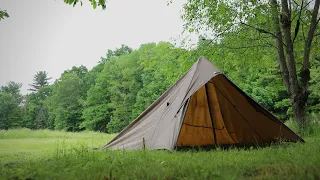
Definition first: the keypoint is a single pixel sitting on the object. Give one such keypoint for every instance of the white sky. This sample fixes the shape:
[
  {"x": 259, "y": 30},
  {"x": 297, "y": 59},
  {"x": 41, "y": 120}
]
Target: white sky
[{"x": 48, "y": 35}]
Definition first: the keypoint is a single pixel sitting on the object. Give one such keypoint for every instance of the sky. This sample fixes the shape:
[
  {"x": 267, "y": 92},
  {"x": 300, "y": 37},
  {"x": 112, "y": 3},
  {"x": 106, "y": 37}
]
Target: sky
[{"x": 49, "y": 35}]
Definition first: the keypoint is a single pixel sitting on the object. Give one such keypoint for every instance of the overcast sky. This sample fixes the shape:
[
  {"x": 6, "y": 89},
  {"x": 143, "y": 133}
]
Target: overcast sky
[{"x": 48, "y": 35}]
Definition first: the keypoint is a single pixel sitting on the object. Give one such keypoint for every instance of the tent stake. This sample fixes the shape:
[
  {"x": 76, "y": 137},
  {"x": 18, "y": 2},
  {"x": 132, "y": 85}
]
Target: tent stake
[
  {"x": 209, "y": 104},
  {"x": 144, "y": 143}
]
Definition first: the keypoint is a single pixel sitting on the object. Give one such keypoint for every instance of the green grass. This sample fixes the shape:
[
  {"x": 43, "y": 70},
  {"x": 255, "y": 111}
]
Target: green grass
[
  {"x": 25, "y": 144},
  {"x": 44, "y": 154}
]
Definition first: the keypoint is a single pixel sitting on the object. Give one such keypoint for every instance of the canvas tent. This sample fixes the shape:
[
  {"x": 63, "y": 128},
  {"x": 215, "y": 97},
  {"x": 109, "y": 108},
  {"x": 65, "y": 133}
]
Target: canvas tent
[{"x": 203, "y": 108}]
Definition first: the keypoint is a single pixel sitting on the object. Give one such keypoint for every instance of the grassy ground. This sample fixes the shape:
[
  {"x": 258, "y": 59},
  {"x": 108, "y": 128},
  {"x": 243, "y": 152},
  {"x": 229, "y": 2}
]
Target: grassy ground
[
  {"x": 44, "y": 154},
  {"x": 22, "y": 144}
]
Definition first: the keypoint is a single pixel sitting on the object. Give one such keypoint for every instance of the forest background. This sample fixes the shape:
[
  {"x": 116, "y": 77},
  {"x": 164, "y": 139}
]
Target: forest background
[{"x": 239, "y": 40}]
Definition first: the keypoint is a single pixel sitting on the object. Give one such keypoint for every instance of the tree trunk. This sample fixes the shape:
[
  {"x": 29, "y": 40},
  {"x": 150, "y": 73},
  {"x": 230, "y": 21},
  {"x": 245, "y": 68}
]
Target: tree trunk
[
  {"x": 279, "y": 44},
  {"x": 305, "y": 72},
  {"x": 286, "y": 26},
  {"x": 301, "y": 100},
  {"x": 299, "y": 113},
  {"x": 298, "y": 92},
  {"x": 295, "y": 91}
]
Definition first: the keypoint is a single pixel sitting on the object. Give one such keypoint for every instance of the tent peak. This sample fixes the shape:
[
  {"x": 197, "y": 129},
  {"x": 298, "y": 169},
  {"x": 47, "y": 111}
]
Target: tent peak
[{"x": 204, "y": 63}]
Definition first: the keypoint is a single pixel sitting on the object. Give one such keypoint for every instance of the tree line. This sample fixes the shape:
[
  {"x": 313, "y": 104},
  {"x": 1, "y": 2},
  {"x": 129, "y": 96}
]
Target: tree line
[
  {"x": 269, "y": 48},
  {"x": 125, "y": 82}
]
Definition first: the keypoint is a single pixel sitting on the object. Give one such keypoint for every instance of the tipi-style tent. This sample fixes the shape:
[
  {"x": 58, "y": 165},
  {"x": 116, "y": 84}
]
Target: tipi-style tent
[{"x": 203, "y": 108}]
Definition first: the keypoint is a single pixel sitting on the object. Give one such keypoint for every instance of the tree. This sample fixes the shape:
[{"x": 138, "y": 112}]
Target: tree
[
  {"x": 13, "y": 89},
  {"x": 125, "y": 82},
  {"x": 124, "y": 49},
  {"x": 80, "y": 71},
  {"x": 7, "y": 104},
  {"x": 287, "y": 22},
  {"x": 39, "y": 80},
  {"x": 65, "y": 101},
  {"x": 98, "y": 107},
  {"x": 96, "y": 113},
  {"x": 36, "y": 111},
  {"x": 10, "y": 110}
]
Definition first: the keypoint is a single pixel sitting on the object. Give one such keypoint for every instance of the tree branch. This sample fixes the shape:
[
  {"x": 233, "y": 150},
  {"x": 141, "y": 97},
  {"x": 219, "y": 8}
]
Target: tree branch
[
  {"x": 261, "y": 31},
  {"x": 304, "y": 7},
  {"x": 279, "y": 43},
  {"x": 295, "y": 2},
  {"x": 317, "y": 23},
  {"x": 305, "y": 73},
  {"x": 296, "y": 30},
  {"x": 220, "y": 34},
  {"x": 247, "y": 47},
  {"x": 285, "y": 20}
]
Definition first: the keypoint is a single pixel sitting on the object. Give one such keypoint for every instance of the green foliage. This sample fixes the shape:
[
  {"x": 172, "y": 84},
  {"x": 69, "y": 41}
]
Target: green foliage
[
  {"x": 64, "y": 103},
  {"x": 13, "y": 89},
  {"x": 80, "y": 71},
  {"x": 37, "y": 115},
  {"x": 36, "y": 112},
  {"x": 125, "y": 82},
  {"x": 3, "y": 14},
  {"x": 94, "y": 3},
  {"x": 40, "y": 80},
  {"x": 314, "y": 98},
  {"x": 98, "y": 107},
  {"x": 96, "y": 112},
  {"x": 124, "y": 49},
  {"x": 11, "y": 113}
]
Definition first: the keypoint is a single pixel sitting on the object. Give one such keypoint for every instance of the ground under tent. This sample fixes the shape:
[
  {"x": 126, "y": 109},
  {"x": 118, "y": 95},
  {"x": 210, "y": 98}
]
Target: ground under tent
[{"x": 203, "y": 108}]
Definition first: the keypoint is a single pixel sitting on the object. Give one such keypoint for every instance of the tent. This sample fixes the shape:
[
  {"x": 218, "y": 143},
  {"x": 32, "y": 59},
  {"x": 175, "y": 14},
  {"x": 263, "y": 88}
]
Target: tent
[{"x": 203, "y": 108}]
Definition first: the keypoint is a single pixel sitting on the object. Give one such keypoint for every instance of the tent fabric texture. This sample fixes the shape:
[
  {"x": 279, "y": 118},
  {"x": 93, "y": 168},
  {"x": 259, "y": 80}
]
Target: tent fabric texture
[{"x": 203, "y": 108}]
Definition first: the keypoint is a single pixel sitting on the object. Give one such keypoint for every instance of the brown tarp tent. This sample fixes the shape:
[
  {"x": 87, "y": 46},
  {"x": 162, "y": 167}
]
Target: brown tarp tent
[{"x": 203, "y": 108}]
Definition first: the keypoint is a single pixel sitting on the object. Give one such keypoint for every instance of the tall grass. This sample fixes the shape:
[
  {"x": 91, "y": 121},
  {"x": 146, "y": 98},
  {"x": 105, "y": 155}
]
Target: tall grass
[
  {"x": 61, "y": 155},
  {"x": 289, "y": 161},
  {"x": 312, "y": 126}
]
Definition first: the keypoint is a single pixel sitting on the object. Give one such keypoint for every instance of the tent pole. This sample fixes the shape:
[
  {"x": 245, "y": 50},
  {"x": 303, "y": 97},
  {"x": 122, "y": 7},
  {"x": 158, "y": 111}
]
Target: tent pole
[{"x": 209, "y": 104}]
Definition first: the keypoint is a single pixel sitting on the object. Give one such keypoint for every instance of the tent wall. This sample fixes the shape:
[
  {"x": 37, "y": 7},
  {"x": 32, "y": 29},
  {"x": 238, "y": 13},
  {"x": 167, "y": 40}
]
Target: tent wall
[
  {"x": 203, "y": 124},
  {"x": 197, "y": 127},
  {"x": 250, "y": 122},
  {"x": 221, "y": 130},
  {"x": 219, "y": 113}
]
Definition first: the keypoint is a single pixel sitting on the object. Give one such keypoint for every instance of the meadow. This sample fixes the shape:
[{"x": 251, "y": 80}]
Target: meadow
[{"x": 45, "y": 154}]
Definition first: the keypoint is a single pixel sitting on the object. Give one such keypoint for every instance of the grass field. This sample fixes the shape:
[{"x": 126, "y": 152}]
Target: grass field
[{"x": 44, "y": 154}]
